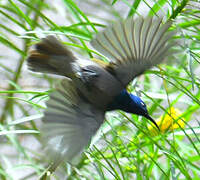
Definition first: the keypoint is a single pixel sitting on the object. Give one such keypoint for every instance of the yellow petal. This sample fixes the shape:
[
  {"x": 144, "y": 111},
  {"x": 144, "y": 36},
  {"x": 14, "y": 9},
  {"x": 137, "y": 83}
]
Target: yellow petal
[{"x": 169, "y": 121}]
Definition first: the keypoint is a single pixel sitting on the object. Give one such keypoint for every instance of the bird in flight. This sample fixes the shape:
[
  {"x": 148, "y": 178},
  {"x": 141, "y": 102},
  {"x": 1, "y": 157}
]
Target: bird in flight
[{"x": 90, "y": 88}]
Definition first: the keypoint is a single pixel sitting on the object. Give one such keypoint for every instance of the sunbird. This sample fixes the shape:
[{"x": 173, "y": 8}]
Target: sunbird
[{"x": 90, "y": 88}]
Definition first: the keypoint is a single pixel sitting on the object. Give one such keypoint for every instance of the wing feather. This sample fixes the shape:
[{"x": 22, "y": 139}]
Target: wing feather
[
  {"x": 145, "y": 32},
  {"x": 127, "y": 36},
  {"x": 137, "y": 35},
  {"x": 110, "y": 36},
  {"x": 133, "y": 46},
  {"x": 68, "y": 124},
  {"x": 117, "y": 31},
  {"x": 106, "y": 48},
  {"x": 153, "y": 29}
]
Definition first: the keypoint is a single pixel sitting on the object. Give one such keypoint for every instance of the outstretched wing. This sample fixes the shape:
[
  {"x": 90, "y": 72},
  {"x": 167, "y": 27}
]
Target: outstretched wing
[
  {"x": 69, "y": 124},
  {"x": 134, "y": 46}
]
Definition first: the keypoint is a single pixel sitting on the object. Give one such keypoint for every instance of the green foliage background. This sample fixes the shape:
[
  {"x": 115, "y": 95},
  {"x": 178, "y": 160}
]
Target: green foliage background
[{"x": 124, "y": 148}]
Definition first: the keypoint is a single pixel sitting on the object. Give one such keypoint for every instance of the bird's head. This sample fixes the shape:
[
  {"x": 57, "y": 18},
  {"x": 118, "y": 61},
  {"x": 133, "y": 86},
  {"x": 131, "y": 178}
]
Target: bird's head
[
  {"x": 137, "y": 106},
  {"x": 131, "y": 104}
]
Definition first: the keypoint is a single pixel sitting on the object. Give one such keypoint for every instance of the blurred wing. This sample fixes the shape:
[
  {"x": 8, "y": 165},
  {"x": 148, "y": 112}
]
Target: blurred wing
[
  {"x": 134, "y": 46},
  {"x": 69, "y": 124}
]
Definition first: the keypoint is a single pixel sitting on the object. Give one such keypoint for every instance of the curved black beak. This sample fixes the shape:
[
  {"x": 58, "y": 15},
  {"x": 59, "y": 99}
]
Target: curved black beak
[{"x": 151, "y": 119}]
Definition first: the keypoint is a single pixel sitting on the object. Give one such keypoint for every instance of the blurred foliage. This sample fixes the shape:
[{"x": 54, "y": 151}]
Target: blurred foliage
[{"x": 124, "y": 148}]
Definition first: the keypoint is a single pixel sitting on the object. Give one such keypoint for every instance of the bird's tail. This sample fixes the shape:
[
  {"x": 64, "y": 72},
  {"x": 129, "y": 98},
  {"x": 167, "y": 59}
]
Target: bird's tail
[{"x": 50, "y": 56}]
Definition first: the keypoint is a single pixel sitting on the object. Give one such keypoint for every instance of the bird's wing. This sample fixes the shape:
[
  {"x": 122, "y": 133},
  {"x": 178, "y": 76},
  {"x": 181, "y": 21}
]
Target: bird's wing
[
  {"x": 133, "y": 46},
  {"x": 68, "y": 124}
]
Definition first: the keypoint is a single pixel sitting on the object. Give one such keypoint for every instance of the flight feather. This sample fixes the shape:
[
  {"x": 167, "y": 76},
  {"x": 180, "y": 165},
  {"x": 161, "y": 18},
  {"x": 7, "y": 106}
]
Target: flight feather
[
  {"x": 134, "y": 45},
  {"x": 69, "y": 123}
]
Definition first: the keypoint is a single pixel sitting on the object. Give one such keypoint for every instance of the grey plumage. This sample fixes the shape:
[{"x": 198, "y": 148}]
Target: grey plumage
[
  {"x": 134, "y": 45},
  {"x": 76, "y": 108},
  {"x": 69, "y": 123}
]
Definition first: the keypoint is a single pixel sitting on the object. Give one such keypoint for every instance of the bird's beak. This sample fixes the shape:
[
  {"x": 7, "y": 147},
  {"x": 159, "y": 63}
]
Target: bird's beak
[{"x": 152, "y": 120}]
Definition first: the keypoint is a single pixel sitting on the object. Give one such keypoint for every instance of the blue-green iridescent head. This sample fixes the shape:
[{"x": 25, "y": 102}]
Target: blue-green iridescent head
[{"x": 130, "y": 103}]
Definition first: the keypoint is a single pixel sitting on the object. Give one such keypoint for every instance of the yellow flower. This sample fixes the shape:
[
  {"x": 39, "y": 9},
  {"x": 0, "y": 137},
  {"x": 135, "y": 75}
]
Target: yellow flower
[{"x": 170, "y": 121}]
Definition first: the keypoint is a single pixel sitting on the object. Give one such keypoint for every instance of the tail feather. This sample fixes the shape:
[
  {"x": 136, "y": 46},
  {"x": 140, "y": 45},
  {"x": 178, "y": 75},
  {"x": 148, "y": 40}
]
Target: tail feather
[{"x": 50, "y": 56}]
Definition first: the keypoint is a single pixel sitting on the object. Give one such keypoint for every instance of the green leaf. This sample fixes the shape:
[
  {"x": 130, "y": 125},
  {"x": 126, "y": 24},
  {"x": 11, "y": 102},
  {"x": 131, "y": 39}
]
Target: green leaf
[
  {"x": 9, "y": 44},
  {"x": 21, "y": 13}
]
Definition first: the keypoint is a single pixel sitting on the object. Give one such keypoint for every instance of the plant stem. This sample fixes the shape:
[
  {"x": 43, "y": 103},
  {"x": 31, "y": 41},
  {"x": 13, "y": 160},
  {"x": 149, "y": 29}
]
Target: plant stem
[{"x": 179, "y": 9}]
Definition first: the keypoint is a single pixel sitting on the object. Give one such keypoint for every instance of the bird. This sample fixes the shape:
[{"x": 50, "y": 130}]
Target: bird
[{"x": 90, "y": 88}]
